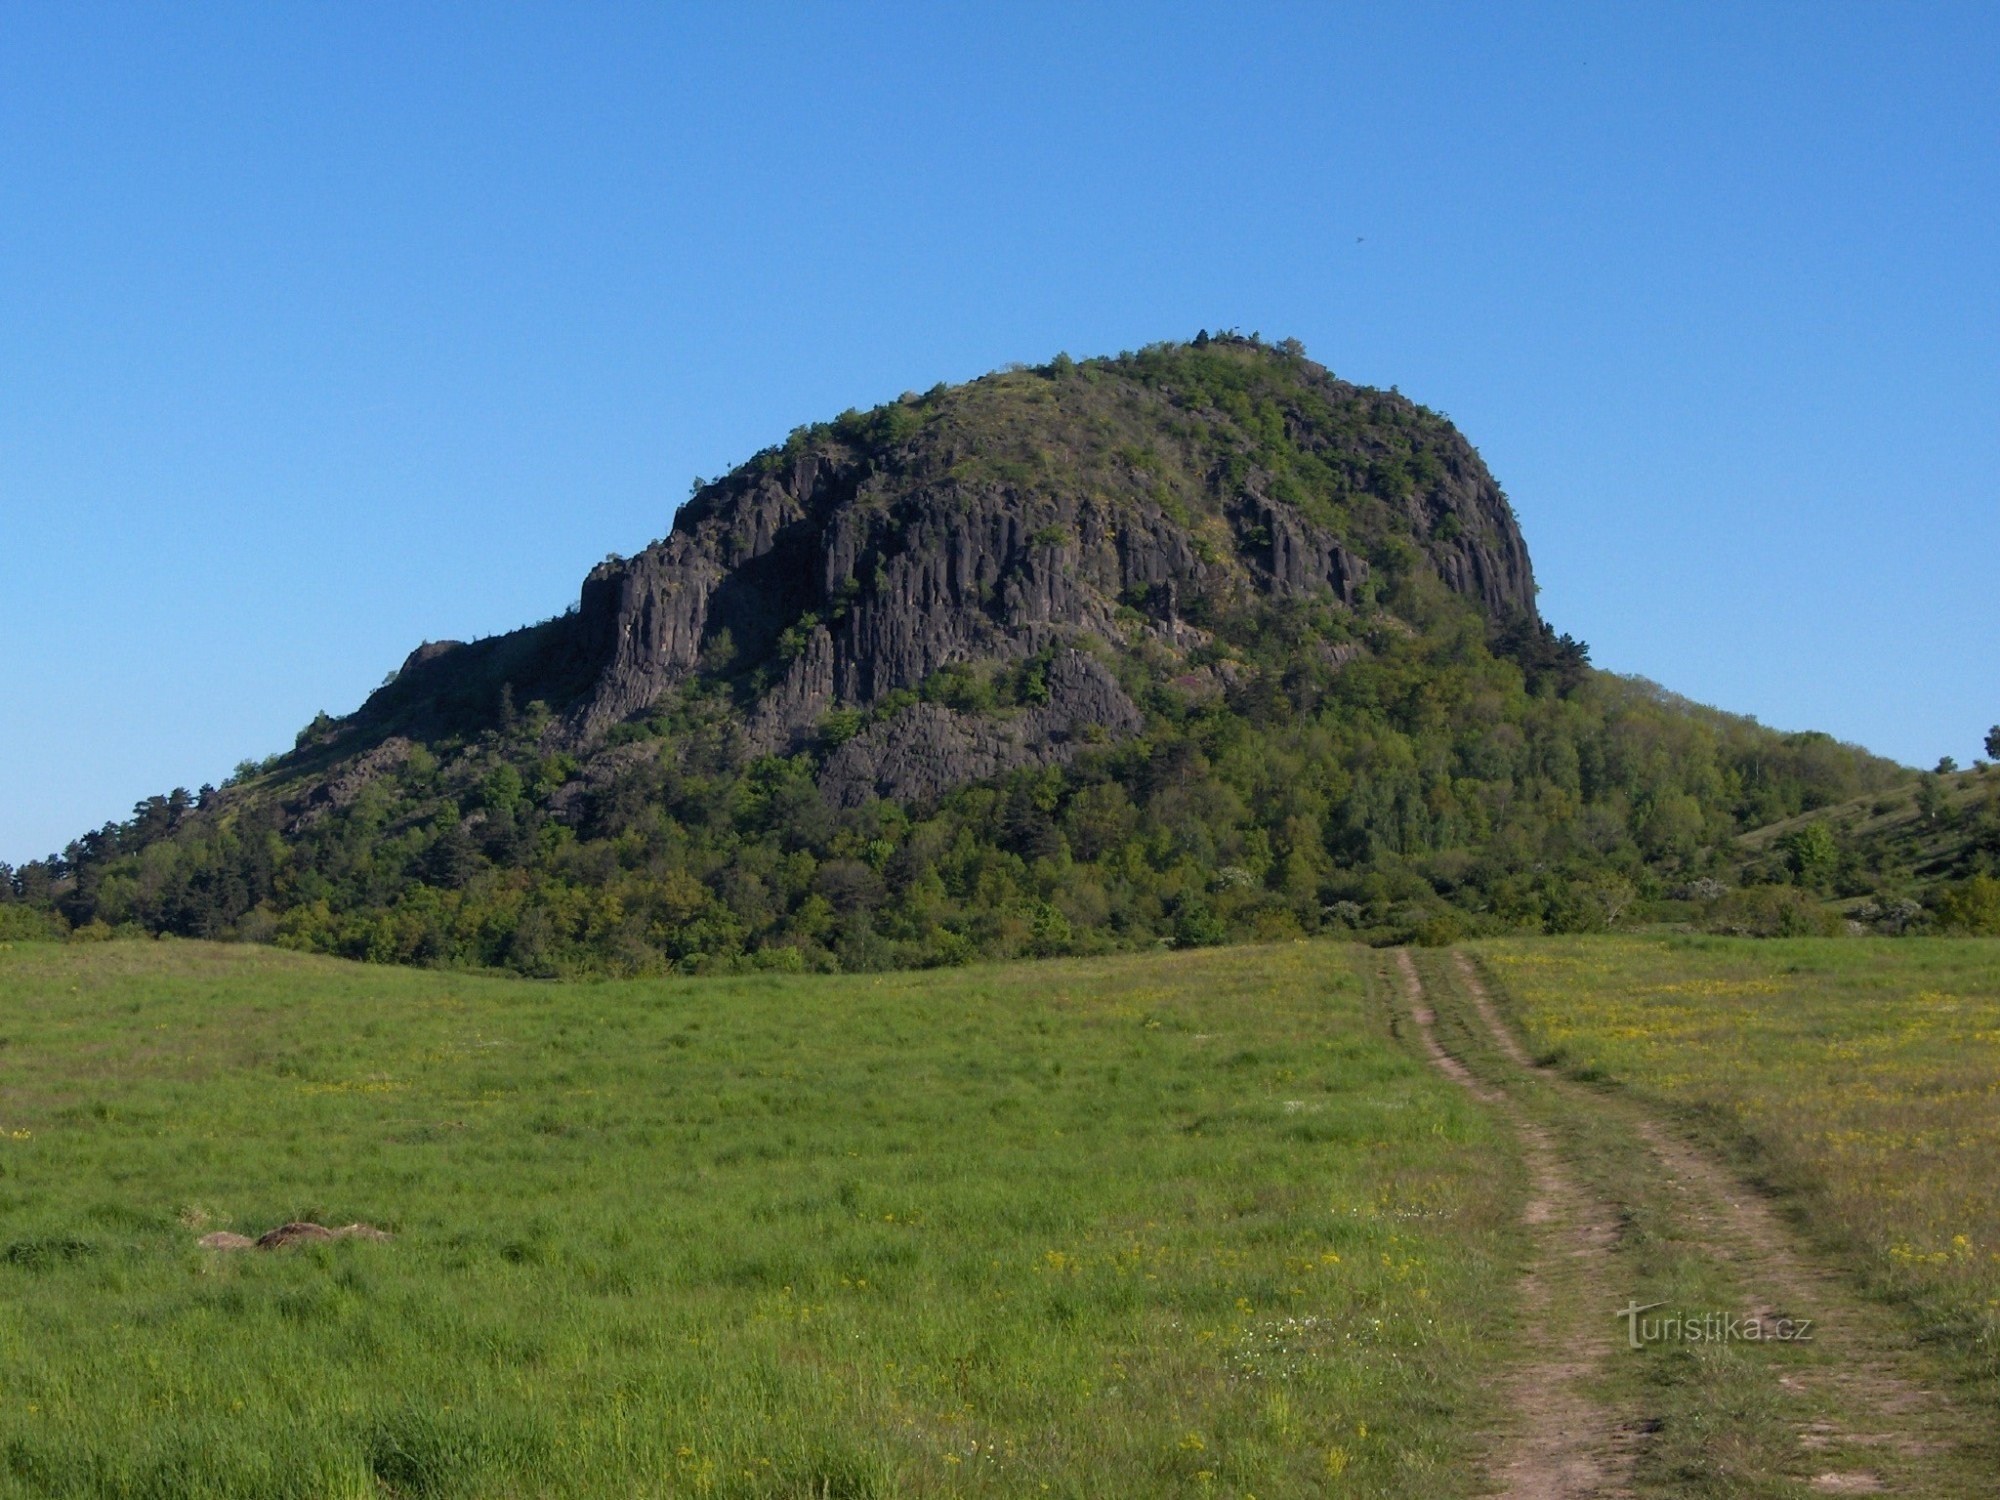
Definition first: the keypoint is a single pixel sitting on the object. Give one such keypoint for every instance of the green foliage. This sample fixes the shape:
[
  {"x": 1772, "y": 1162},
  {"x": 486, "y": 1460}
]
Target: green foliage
[
  {"x": 1932, "y": 802},
  {"x": 967, "y": 687},
  {"x": 1424, "y": 786},
  {"x": 1811, "y": 853},
  {"x": 838, "y": 726},
  {"x": 1770, "y": 911},
  {"x": 795, "y": 638},
  {"x": 1970, "y": 906},
  {"x": 1196, "y": 925},
  {"x": 27, "y": 924},
  {"x": 501, "y": 790}
]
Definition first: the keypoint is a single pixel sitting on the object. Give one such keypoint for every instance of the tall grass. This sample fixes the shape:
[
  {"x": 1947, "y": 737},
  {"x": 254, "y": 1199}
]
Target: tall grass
[
  {"x": 1862, "y": 1077},
  {"x": 1176, "y": 1224}
]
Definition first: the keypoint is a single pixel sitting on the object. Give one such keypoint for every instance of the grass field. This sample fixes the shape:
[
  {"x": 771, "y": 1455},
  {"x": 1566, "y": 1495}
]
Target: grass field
[
  {"x": 1860, "y": 1079},
  {"x": 1179, "y": 1224}
]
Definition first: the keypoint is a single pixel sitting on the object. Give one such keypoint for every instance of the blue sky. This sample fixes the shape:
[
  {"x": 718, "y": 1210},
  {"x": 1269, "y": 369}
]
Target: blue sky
[{"x": 327, "y": 330}]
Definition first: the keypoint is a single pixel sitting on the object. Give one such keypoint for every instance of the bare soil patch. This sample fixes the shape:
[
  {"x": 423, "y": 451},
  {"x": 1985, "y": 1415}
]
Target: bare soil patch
[{"x": 1565, "y": 1442}]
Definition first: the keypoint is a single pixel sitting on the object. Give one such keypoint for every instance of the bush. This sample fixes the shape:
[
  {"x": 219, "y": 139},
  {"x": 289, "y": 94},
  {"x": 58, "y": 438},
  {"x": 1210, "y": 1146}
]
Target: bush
[
  {"x": 1811, "y": 853},
  {"x": 1196, "y": 926},
  {"x": 26, "y": 924},
  {"x": 1440, "y": 930},
  {"x": 1771, "y": 911},
  {"x": 1970, "y": 906}
]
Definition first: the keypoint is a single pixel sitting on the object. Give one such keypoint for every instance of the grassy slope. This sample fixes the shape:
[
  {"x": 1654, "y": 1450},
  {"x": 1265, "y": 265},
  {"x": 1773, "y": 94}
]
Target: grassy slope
[
  {"x": 1886, "y": 830},
  {"x": 1187, "y": 1223},
  {"x": 1861, "y": 1078}
]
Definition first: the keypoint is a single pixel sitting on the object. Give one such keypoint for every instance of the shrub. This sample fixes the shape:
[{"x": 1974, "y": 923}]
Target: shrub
[
  {"x": 1970, "y": 906},
  {"x": 1771, "y": 911},
  {"x": 1439, "y": 930},
  {"x": 26, "y": 924},
  {"x": 1197, "y": 926},
  {"x": 1811, "y": 852}
]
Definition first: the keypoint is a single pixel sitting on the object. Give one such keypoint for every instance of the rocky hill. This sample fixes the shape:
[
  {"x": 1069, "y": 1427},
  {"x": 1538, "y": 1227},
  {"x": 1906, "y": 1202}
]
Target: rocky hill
[
  {"x": 1070, "y": 510},
  {"x": 1186, "y": 644}
]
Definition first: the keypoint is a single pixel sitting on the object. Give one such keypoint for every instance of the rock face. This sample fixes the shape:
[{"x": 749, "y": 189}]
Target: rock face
[
  {"x": 928, "y": 749},
  {"x": 346, "y": 784},
  {"x": 1108, "y": 507}
]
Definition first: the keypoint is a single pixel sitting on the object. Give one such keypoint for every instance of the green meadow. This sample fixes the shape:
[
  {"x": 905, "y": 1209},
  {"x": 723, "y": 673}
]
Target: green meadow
[
  {"x": 1185, "y": 1223},
  {"x": 1859, "y": 1080}
]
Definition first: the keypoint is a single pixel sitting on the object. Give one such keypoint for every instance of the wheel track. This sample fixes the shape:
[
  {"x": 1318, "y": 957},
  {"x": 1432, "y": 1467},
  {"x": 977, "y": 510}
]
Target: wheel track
[
  {"x": 1563, "y": 1443},
  {"x": 1745, "y": 1231}
]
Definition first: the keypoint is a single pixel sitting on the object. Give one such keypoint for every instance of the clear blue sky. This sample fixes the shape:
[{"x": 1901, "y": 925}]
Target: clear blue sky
[{"x": 328, "y": 329}]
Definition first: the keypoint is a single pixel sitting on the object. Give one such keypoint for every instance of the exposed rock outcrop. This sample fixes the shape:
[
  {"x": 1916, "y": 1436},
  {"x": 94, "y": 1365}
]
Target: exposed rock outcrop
[
  {"x": 346, "y": 784},
  {"x": 928, "y": 749},
  {"x": 1116, "y": 502}
]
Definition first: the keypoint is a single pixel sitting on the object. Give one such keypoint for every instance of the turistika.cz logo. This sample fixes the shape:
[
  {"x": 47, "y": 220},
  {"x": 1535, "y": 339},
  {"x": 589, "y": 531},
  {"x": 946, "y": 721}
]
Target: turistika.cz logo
[{"x": 1709, "y": 1327}]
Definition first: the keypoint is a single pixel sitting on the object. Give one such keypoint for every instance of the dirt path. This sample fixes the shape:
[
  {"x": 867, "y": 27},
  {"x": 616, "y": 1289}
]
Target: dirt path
[
  {"x": 1864, "y": 1406},
  {"x": 1565, "y": 1442}
]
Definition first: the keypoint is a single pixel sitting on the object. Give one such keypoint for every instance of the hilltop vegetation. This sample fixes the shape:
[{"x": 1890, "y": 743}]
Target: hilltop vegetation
[
  {"x": 1422, "y": 789},
  {"x": 1190, "y": 645}
]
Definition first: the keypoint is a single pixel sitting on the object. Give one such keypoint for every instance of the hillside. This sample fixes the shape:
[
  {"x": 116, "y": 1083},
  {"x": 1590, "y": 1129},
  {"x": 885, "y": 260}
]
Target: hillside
[
  {"x": 1190, "y": 644},
  {"x": 1877, "y": 853}
]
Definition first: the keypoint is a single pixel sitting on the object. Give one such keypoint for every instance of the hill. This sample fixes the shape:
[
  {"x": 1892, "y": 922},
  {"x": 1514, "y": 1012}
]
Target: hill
[
  {"x": 1034, "y": 516},
  {"x": 1195, "y": 643},
  {"x": 1878, "y": 853}
]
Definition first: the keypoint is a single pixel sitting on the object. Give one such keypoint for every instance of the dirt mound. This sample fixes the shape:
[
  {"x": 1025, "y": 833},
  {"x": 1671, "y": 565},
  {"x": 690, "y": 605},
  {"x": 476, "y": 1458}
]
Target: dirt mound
[
  {"x": 292, "y": 1234},
  {"x": 298, "y": 1232}
]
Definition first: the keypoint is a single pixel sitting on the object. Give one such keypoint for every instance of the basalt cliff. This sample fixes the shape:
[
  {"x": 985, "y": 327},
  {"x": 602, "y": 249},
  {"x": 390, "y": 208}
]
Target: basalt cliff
[{"x": 1071, "y": 513}]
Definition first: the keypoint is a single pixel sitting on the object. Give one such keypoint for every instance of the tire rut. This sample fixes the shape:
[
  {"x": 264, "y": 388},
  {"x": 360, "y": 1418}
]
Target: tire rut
[
  {"x": 1744, "y": 1230},
  {"x": 1564, "y": 1444}
]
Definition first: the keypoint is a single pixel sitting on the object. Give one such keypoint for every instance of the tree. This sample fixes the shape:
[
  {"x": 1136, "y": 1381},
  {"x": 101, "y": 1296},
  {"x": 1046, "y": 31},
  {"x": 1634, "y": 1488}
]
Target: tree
[
  {"x": 452, "y": 859},
  {"x": 1993, "y": 743},
  {"x": 36, "y": 881},
  {"x": 1930, "y": 798},
  {"x": 1811, "y": 853},
  {"x": 1970, "y": 906},
  {"x": 501, "y": 790}
]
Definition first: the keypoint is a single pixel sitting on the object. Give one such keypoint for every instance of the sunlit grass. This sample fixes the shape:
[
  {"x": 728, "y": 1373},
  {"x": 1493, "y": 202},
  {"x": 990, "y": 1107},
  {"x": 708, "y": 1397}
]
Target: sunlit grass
[
  {"x": 1186, "y": 1223},
  {"x": 1861, "y": 1076}
]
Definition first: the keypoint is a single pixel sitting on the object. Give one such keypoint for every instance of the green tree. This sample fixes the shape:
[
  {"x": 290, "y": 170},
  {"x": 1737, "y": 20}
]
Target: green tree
[
  {"x": 1811, "y": 853},
  {"x": 1971, "y": 906},
  {"x": 1930, "y": 798},
  {"x": 1993, "y": 743},
  {"x": 501, "y": 790}
]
